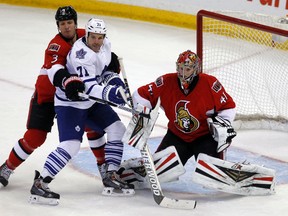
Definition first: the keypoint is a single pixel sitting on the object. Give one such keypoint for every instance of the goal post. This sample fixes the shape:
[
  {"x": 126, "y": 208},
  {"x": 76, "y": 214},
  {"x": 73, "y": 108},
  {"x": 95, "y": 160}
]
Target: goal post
[{"x": 248, "y": 53}]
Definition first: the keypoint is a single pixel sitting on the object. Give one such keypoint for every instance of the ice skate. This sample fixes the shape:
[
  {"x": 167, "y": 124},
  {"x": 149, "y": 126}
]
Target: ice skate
[
  {"x": 40, "y": 192},
  {"x": 114, "y": 186},
  {"x": 102, "y": 170},
  {"x": 5, "y": 173}
]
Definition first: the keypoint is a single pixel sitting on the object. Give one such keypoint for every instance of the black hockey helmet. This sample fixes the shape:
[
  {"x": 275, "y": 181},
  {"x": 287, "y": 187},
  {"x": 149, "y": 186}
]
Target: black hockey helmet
[{"x": 65, "y": 13}]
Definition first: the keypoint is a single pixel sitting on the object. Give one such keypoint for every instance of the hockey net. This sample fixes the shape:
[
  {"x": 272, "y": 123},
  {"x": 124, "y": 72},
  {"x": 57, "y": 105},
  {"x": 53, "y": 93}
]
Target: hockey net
[{"x": 248, "y": 53}]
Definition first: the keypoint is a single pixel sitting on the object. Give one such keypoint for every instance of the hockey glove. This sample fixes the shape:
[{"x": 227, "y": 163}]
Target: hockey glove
[
  {"x": 222, "y": 132},
  {"x": 111, "y": 78},
  {"x": 72, "y": 86},
  {"x": 113, "y": 94},
  {"x": 60, "y": 76},
  {"x": 114, "y": 64}
]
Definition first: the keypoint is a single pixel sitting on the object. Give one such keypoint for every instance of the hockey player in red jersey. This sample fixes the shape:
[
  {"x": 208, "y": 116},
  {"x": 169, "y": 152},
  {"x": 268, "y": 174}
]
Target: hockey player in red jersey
[
  {"x": 198, "y": 108},
  {"x": 199, "y": 112},
  {"x": 189, "y": 98},
  {"x": 41, "y": 113}
]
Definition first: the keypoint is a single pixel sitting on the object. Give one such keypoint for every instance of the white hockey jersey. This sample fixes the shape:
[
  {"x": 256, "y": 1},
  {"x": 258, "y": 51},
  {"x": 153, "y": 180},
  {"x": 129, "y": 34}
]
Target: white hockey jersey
[{"x": 89, "y": 66}]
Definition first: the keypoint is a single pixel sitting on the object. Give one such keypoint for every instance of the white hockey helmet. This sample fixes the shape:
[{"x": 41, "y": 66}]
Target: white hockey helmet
[{"x": 95, "y": 26}]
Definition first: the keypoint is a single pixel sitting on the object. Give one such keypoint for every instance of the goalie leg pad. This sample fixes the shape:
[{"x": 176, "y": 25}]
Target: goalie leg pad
[
  {"x": 167, "y": 164},
  {"x": 236, "y": 178},
  {"x": 133, "y": 172}
]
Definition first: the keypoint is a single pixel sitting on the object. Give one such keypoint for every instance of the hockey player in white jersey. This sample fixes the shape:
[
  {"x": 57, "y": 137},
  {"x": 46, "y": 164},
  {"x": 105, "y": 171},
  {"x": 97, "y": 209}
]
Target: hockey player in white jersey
[{"x": 87, "y": 63}]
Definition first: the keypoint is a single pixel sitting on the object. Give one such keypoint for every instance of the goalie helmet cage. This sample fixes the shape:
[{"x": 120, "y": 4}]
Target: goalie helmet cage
[{"x": 248, "y": 53}]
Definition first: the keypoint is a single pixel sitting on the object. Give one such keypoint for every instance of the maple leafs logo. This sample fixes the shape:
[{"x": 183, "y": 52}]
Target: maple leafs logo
[{"x": 81, "y": 54}]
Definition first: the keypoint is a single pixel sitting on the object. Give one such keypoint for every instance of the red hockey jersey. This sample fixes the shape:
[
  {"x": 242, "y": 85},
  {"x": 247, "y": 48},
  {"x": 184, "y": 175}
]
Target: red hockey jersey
[
  {"x": 187, "y": 114},
  {"x": 56, "y": 53}
]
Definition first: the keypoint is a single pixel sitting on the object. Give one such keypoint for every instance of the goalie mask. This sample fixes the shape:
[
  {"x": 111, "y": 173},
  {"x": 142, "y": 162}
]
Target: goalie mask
[{"x": 188, "y": 66}]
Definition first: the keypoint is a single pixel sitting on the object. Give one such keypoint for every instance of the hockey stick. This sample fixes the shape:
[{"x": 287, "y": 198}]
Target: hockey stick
[
  {"x": 126, "y": 81},
  {"x": 99, "y": 100},
  {"x": 158, "y": 195}
]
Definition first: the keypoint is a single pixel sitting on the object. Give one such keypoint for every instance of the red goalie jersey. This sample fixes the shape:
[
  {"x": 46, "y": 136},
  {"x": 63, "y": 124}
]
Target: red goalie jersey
[
  {"x": 187, "y": 113},
  {"x": 55, "y": 59}
]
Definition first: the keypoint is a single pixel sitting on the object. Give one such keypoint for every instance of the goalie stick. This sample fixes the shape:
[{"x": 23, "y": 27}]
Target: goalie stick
[
  {"x": 155, "y": 186},
  {"x": 158, "y": 195}
]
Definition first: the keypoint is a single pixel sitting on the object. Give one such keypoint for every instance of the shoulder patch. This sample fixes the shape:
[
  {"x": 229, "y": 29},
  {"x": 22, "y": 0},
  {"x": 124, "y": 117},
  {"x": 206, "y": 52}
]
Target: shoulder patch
[
  {"x": 159, "y": 81},
  {"x": 54, "y": 47},
  {"x": 216, "y": 86}
]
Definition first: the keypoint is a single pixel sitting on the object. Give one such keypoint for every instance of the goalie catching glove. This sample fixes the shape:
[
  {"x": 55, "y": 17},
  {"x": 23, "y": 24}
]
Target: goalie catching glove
[{"x": 222, "y": 132}]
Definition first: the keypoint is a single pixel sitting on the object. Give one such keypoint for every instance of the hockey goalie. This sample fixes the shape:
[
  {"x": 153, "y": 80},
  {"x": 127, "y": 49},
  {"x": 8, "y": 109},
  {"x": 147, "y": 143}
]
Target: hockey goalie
[
  {"x": 199, "y": 112},
  {"x": 210, "y": 172}
]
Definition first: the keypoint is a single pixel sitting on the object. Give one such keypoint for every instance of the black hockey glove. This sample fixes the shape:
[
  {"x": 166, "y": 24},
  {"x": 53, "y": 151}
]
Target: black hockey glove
[
  {"x": 72, "y": 86},
  {"x": 60, "y": 76},
  {"x": 114, "y": 64}
]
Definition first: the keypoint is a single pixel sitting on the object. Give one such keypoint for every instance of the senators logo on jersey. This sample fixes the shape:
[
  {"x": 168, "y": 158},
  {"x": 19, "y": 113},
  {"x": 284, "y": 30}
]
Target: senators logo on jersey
[{"x": 185, "y": 122}]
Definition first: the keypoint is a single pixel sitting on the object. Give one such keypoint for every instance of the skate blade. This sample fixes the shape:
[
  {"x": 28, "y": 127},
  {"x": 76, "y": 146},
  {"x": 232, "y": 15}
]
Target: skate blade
[
  {"x": 110, "y": 191},
  {"x": 34, "y": 199},
  {"x": 3, "y": 182}
]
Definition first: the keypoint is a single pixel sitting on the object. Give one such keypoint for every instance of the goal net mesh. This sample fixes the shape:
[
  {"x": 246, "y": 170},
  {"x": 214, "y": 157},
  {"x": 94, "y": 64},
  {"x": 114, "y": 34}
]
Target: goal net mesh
[{"x": 250, "y": 59}]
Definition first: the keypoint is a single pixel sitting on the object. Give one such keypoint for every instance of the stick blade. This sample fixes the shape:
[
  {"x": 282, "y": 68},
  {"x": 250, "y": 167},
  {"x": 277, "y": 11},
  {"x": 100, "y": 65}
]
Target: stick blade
[{"x": 177, "y": 204}]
